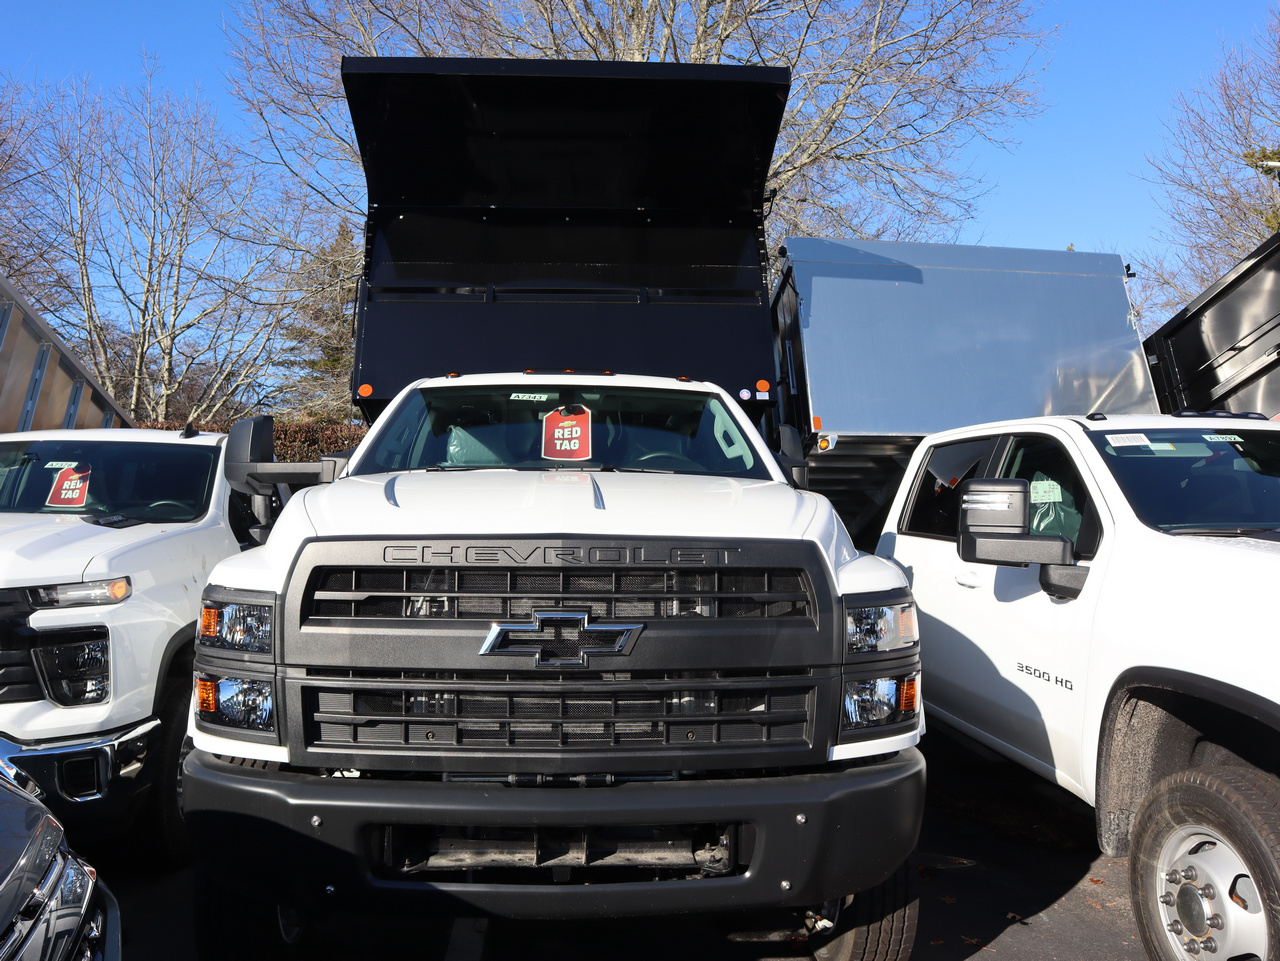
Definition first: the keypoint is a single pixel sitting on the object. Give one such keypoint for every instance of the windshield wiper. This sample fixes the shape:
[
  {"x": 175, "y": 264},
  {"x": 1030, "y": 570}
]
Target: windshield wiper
[{"x": 1225, "y": 531}]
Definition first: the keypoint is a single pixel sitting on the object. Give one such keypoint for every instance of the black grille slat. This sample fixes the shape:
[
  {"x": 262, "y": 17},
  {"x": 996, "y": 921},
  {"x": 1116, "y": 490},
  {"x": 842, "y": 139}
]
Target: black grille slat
[
  {"x": 627, "y": 593},
  {"x": 19, "y": 681},
  {"x": 613, "y": 715}
]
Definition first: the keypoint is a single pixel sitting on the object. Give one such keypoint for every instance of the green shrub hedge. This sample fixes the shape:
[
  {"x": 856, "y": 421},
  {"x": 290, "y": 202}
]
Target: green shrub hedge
[{"x": 296, "y": 441}]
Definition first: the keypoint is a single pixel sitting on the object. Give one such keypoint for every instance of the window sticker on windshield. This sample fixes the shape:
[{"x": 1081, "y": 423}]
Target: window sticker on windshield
[
  {"x": 59, "y": 464},
  {"x": 1128, "y": 440},
  {"x": 1161, "y": 446},
  {"x": 1222, "y": 438},
  {"x": 566, "y": 433},
  {"x": 1046, "y": 492},
  {"x": 70, "y": 487},
  {"x": 539, "y": 398}
]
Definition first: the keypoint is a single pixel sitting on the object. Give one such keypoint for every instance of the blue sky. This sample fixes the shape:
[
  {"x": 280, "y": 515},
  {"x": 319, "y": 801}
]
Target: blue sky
[{"x": 1076, "y": 177}]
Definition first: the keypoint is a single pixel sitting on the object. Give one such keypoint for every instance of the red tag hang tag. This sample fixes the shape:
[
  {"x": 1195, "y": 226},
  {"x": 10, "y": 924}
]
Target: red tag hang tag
[
  {"x": 70, "y": 487},
  {"x": 566, "y": 433}
]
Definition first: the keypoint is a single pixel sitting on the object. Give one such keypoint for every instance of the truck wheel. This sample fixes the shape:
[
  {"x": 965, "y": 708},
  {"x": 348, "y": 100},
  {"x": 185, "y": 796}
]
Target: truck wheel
[
  {"x": 876, "y": 925},
  {"x": 1204, "y": 865},
  {"x": 238, "y": 924},
  {"x": 165, "y": 809}
]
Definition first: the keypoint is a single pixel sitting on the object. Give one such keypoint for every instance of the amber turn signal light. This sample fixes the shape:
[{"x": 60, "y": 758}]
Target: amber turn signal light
[
  {"x": 208, "y": 622},
  {"x": 206, "y": 698},
  {"x": 907, "y": 695}
]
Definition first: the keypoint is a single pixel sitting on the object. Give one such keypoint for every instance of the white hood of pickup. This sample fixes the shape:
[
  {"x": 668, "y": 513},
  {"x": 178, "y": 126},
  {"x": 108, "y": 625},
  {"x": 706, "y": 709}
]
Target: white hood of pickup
[
  {"x": 56, "y": 548},
  {"x": 483, "y": 502}
]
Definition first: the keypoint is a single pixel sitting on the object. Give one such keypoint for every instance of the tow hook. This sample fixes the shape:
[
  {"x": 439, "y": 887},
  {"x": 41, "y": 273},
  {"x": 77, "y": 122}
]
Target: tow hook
[{"x": 820, "y": 918}]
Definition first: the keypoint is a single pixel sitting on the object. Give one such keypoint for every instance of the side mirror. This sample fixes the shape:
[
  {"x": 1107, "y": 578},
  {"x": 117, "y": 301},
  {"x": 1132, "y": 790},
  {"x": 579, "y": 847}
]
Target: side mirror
[
  {"x": 332, "y": 465},
  {"x": 791, "y": 456},
  {"x": 250, "y": 442},
  {"x": 995, "y": 526},
  {"x": 251, "y": 468}
]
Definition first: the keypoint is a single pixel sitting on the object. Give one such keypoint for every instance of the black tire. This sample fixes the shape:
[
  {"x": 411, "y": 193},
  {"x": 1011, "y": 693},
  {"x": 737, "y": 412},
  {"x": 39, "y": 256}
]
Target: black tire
[
  {"x": 162, "y": 816},
  {"x": 876, "y": 925},
  {"x": 232, "y": 922},
  {"x": 1218, "y": 831}
]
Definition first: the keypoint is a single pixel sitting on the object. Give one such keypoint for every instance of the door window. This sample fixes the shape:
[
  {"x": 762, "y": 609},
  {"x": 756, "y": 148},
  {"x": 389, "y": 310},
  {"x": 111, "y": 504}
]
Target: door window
[
  {"x": 935, "y": 505},
  {"x": 1060, "y": 503}
]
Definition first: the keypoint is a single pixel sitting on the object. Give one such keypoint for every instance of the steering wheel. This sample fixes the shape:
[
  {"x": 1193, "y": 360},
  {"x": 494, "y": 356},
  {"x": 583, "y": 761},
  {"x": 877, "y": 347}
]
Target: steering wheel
[{"x": 672, "y": 461}]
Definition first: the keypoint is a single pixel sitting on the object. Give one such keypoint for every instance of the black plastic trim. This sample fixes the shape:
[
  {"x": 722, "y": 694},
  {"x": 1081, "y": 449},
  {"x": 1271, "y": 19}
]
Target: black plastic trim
[{"x": 1261, "y": 709}]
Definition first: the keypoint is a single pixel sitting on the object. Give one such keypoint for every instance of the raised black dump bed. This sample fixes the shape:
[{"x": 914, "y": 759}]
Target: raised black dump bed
[{"x": 545, "y": 215}]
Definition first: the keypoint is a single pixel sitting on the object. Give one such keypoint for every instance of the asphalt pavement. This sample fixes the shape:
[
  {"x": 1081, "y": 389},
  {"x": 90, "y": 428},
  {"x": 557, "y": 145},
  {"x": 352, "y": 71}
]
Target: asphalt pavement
[{"x": 1007, "y": 863}]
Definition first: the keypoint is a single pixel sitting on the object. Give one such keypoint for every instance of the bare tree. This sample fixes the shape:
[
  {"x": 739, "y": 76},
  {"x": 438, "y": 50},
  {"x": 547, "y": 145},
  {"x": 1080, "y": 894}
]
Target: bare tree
[
  {"x": 885, "y": 93},
  {"x": 1221, "y": 196},
  {"x": 26, "y": 258},
  {"x": 177, "y": 256}
]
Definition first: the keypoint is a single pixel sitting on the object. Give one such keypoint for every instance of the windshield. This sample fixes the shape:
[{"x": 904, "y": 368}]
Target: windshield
[
  {"x": 139, "y": 481},
  {"x": 548, "y": 427},
  {"x": 1197, "y": 480}
]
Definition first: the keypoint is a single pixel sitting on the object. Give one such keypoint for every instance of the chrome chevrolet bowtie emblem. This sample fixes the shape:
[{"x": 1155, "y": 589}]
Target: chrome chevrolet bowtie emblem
[{"x": 561, "y": 638}]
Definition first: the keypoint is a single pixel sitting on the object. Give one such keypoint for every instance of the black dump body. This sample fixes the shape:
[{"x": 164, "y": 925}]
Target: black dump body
[
  {"x": 1222, "y": 351},
  {"x": 544, "y": 215}
]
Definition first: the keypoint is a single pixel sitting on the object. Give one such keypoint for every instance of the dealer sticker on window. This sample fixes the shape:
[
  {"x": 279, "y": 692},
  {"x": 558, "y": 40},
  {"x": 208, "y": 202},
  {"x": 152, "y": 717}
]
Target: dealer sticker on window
[
  {"x": 70, "y": 487},
  {"x": 1046, "y": 492},
  {"x": 566, "y": 434},
  {"x": 1222, "y": 438},
  {"x": 1128, "y": 440}
]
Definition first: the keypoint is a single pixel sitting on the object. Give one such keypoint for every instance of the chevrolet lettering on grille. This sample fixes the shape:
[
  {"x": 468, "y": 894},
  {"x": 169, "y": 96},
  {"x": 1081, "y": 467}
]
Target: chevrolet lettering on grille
[{"x": 561, "y": 638}]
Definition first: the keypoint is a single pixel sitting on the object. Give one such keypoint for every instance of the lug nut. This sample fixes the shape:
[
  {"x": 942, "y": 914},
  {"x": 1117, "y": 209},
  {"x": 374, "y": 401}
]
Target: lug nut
[
  {"x": 1173, "y": 877},
  {"x": 1188, "y": 874},
  {"x": 1209, "y": 891},
  {"x": 1192, "y": 947},
  {"x": 1174, "y": 927},
  {"x": 1166, "y": 898},
  {"x": 1209, "y": 944},
  {"x": 1215, "y": 921}
]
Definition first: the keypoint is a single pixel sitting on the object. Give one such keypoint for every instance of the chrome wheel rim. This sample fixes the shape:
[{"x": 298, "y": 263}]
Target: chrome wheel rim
[{"x": 1205, "y": 896}]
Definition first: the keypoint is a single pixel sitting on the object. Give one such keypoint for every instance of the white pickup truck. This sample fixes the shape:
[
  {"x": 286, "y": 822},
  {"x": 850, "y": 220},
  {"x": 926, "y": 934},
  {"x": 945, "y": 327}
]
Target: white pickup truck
[
  {"x": 1090, "y": 593},
  {"x": 106, "y": 538}
]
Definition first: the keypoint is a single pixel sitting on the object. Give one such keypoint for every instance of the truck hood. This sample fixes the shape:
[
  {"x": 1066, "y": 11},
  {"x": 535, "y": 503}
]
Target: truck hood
[
  {"x": 50, "y": 549},
  {"x": 481, "y": 502}
]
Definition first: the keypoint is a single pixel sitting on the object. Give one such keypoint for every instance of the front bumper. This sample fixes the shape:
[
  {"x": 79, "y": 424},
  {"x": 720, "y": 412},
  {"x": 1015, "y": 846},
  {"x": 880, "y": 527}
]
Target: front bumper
[
  {"x": 814, "y": 836},
  {"x": 100, "y": 776}
]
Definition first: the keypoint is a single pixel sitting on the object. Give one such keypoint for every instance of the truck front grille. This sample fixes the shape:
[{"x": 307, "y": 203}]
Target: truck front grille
[
  {"x": 439, "y": 717},
  {"x": 461, "y": 593},
  {"x": 18, "y": 678}
]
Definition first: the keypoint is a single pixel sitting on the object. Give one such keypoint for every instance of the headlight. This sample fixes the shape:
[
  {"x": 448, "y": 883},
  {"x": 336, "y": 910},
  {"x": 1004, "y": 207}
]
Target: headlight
[
  {"x": 77, "y": 670},
  {"x": 880, "y": 627},
  {"x": 880, "y": 700},
  {"x": 237, "y": 627},
  {"x": 76, "y": 884},
  {"x": 79, "y": 595},
  {"x": 236, "y": 702}
]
